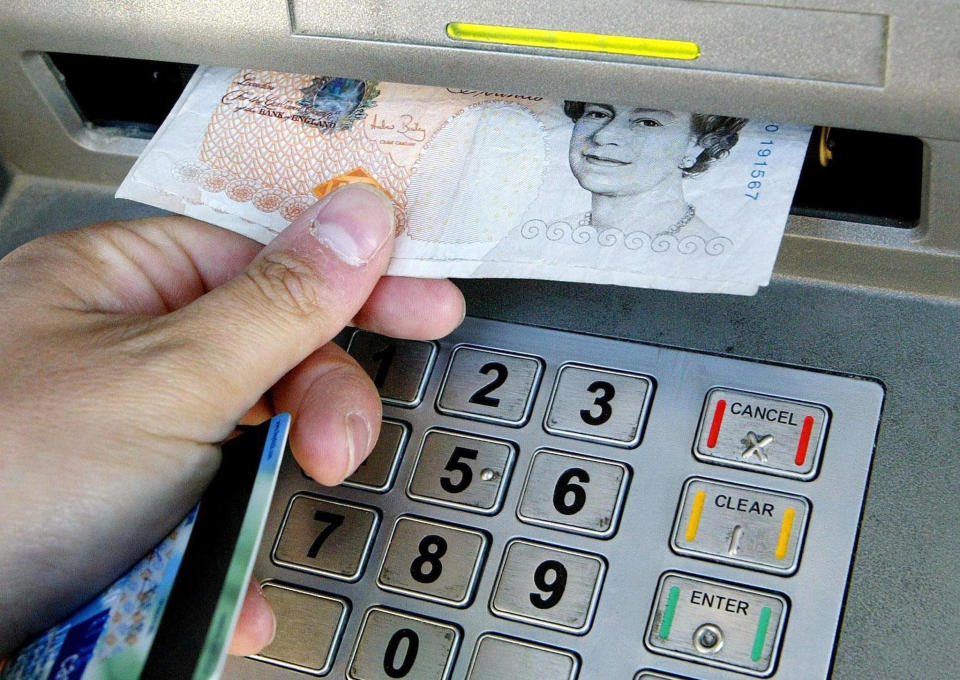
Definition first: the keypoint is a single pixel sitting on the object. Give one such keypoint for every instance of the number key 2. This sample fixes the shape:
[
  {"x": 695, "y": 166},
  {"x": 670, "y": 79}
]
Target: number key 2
[{"x": 493, "y": 386}]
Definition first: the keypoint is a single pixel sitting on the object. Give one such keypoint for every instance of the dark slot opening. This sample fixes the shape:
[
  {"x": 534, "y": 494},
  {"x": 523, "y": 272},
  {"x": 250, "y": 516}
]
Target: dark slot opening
[
  {"x": 133, "y": 95},
  {"x": 873, "y": 178}
]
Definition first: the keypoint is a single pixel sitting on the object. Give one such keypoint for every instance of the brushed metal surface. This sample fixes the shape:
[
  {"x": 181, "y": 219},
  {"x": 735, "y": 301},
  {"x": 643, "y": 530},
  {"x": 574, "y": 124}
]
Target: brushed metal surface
[
  {"x": 733, "y": 616},
  {"x": 741, "y": 525},
  {"x": 573, "y": 493},
  {"x": 309, "y": 626},
  {"x": 515, "y": 591},
  {"x": 448, "y": 560},
  {"x": 487, "y": 385},
  {"x": 496, "y": 657},
  {"x": 462, "y": 471},
  {"x": 430, "y": 657}
]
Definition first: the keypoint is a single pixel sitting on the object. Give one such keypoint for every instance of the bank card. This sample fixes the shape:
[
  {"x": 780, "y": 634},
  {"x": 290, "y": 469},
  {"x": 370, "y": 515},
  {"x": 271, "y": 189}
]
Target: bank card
[{"x": 173, "y": 614}]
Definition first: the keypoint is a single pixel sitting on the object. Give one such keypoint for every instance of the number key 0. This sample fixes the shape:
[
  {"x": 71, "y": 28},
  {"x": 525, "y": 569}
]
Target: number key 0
[
  {"x": 574, "y": 493},
  {"x": 394, "y": 645}
]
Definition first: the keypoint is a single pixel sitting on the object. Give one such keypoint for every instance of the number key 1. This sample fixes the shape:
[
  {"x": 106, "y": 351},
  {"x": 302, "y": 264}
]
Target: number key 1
[
  {"x": 598, "y": 405},
  {"x": 398, "y": 368}
]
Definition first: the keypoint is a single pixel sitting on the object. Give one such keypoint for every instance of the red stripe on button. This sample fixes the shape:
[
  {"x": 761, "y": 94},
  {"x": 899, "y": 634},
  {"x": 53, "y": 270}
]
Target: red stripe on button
[
  {"x": 804, "y": 440},
  {"x": 715, "y": 425}
]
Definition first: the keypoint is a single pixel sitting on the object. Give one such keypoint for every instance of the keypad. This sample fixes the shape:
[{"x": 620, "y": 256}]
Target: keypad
[
  {"x": 396, "y": 645},
  {"x": 599, "y": 405},
  {"x": 548, "y": 586},
  {"x": 462, "y": 471},
  {"x": 325, "y": 537},
  {"x": 309, "y": 626},
  {"x": 398, "y": 368},
  {"x": 542, "y": 505},
  {"x": 573, "y": 493},
  {"x": 434, "y": 561},
  {"x": 376, "y": 473},
  {"x": 493, "y": 386},
  {"x": 497, "y": 657}
]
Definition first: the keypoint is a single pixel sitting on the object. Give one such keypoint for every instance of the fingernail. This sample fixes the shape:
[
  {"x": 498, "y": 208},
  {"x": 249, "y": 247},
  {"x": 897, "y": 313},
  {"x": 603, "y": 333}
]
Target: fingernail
[
  {"x": 355, "y": 221},
  {"x": 358, "y": 441},
  {"x": 266, "y": 603}
]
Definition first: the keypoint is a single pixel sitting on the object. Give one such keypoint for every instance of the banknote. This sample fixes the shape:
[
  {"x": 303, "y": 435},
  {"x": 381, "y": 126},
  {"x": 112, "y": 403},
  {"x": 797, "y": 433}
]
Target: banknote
[{"x": 486, "y": 184}]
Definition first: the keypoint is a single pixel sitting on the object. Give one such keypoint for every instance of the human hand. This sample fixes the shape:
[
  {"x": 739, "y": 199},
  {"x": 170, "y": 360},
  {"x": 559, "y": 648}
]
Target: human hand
[{"x": 130, "y": 350}]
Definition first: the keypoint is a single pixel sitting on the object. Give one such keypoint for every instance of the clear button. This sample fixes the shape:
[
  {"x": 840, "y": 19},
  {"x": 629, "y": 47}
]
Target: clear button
[{"x": 741, "y": 525}]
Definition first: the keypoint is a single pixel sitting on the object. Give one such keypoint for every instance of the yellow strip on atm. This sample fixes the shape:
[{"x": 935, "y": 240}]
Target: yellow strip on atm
[{"x": 574, "y": 41}]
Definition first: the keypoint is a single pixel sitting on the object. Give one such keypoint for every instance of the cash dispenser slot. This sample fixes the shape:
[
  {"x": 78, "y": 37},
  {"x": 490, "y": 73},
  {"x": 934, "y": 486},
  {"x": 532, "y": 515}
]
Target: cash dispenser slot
[{"x": 848, "y": 175}]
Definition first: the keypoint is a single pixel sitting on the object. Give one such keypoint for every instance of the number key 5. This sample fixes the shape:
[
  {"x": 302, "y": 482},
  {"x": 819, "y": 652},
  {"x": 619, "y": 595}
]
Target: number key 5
[{"x": 462, "y": 471}]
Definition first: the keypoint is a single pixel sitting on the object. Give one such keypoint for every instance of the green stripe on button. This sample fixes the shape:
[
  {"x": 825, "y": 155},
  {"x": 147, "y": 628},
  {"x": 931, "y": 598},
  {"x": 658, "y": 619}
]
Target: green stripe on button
[
  {"x": 761, "y": 636},
  {"x": 668, "y": 612}
]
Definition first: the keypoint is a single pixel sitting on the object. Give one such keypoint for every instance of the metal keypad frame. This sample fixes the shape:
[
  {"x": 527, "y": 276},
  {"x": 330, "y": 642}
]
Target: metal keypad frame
[{"x": 639, "y": 553}]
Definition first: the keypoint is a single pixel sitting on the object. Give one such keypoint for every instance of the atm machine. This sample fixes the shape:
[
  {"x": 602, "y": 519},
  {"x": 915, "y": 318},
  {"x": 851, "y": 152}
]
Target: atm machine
[{"x": 594, "y": 481}]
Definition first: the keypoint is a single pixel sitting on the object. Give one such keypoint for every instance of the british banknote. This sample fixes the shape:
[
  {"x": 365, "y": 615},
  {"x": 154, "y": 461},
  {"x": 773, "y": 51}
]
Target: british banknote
[{"x": 487, "y": 184}]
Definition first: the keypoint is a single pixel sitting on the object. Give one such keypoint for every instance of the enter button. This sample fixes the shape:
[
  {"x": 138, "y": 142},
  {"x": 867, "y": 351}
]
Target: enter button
[{"x": 741, "y": 525}]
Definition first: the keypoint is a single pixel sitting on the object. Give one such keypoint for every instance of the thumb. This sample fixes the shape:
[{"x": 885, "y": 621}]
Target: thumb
[{"x": 298, "y": 293}]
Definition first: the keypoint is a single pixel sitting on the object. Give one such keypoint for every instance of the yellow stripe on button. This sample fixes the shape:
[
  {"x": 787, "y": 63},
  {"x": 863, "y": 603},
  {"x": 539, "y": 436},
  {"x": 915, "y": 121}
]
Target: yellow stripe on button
[
  {"x": 785, "y": 528},
  {"x": 694, "y": 522}
]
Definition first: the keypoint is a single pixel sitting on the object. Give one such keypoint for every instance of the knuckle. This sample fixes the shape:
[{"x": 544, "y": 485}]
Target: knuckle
[{"x": 290, "y": 283}]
